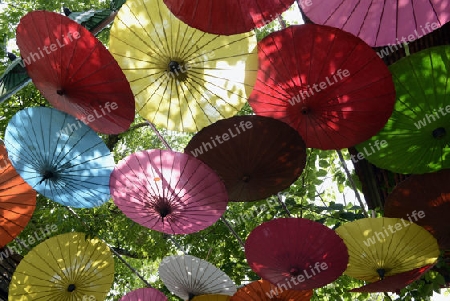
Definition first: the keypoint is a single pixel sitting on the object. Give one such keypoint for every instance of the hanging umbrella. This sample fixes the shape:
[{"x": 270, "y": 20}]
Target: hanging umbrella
[
  {"x": 381, "y": 247},
  {"x": 327, "y": 84},
  {"x": 187, "y": 276},
  {"x": 144, "y": 294},
  {"x": 66, "y": 267},
  {"x": 90, "y": 19},
  {"x": 394, "y": 283},
  {"x": 211, "y": 298},
  {"x": 418, "y": 132},
  {"x": 263, "y": 290},
  {"x": 13, "y": 79},
  {"x": 75, "y": 72},
  {"x": 60, "y": 157},
  {"x": 425, "y": 199},
  {"x": 167, "y": 191},
  {"x": 17, "y": 200},
  {"x": 255, "y": 156},
  {"x": 380, "y": 22},
  {"x": 183, "y": 79},
  {"x": 227, "y": 17},
  {"x": 296, "y": 253}
]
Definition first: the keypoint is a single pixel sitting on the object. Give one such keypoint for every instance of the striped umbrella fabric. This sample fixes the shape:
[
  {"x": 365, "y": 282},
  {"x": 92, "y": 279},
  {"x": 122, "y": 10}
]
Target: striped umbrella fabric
[
  {"x": 168, "y": 191},
  {"x": 60, "y": 157},
  {"x": 187, "y": 276},
  {"x": 65, "y": 267}
]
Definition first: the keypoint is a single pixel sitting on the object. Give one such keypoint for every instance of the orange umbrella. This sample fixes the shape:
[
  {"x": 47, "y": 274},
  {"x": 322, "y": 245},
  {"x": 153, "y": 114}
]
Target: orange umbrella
[
  {"x": 263, "y": 290},
  {"x": 17, "y": 200}
]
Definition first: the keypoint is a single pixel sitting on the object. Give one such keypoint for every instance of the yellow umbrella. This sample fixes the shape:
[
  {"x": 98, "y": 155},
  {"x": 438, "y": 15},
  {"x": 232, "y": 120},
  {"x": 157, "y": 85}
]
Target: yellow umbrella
[
  {"x": 67, "y": 267},
  {"x": 211, "y": 298},
  {"x": 183, "y": 79},
  {"x": 380, "y": 247}
]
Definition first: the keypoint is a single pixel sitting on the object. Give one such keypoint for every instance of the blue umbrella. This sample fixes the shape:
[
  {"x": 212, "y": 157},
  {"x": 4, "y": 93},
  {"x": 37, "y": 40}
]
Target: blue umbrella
[{"x": 60, "y": 157}]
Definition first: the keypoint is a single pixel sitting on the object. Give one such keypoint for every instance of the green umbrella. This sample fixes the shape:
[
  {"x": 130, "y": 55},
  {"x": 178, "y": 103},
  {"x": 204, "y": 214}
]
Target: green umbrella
[
  {"x": 13, "y": 79},
  {"x": 416, "y": 139},
  {"x": 90, "y": 19}
]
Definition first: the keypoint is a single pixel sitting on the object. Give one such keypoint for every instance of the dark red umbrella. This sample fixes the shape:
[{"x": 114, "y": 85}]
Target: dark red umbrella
[
  {"x": 296, "y": 253},
  {"x": 394, "y": 283},
  {"x": 75, "y": 72},
  {"x": 255, "y": 156},
  {"x": 167, "y": 191},
  {"x": 425, "y": 200},
  {"x": 326, "y": 83},
  {"x": 227, "y": 17}
]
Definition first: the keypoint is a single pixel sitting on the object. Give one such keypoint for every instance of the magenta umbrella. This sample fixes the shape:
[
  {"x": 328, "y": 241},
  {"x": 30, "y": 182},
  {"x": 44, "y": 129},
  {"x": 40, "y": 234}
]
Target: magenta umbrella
[
  {"x": 168, "y": 191},
  {"x": 380, "y": 22},
  {"x": 144, "y": 294}
]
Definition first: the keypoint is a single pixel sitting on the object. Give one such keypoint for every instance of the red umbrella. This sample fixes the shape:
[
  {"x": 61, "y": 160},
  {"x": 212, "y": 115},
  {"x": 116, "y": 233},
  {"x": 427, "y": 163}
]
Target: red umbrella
[
  {"x": 255, "y": 156},
  {"x": 425, "y": 200},
  {"x": 168, "y": 191},
  {"x": 227, "y": 17},
  {"x": 326, "y": 83},
  {"x": 380, "y": 22},
  {"x": 394, "y": 283},
  {"x": 144, "y": 294},
  {"x": 75, "y": 72},
  {"x": 296, "y": 253}
]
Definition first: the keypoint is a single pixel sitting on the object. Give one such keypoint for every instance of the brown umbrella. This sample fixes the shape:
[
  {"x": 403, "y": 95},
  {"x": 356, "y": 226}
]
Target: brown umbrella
[
  {"x": 255, "y": 156},
  {"x": 425, "y": 200}
]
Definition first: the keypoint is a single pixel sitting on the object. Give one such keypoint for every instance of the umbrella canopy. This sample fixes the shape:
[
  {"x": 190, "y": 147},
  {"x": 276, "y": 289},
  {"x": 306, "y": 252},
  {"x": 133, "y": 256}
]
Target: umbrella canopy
[
  {"x": 380, "y": 22},
  {"x": 90, "y": 19},
  {"x": 168, "y": 191},
  {"x": 296, "y": 253},
  {"x": 144, "y": 294},
  {"x": 75, "y": 72},
  {"x": 183, "y": 79},
  {"x": 255, "y": 156},
  {"x": 394, "y": 283},
  {"x": 211, "y": 298},
  {"x": 60, "y": 157},
  {"x": 188, "y": 276},
  {"x": 326, "y": 83},
  {"x": 381, "y": 247},
  {"x": 17, "y": 200},
  {"x": 13, "y": 79},
  {"x": 66, "y": 267},
  {"x": 227, "y": 17},
  {"x": 425, "y": 199},
  {"x": 263, "y": 290},
  {"x": 418, "y": 132}
]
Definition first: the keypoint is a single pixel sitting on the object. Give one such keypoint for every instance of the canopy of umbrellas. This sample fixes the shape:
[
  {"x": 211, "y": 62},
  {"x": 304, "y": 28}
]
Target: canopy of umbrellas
[{"x": 310, "y": 86}]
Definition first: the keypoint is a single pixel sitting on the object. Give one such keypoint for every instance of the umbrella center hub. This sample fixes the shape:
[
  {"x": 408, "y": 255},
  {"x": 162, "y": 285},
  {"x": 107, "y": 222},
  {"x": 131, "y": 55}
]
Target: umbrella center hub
[
  {"x": 177, "y": 70},
  {"x": 60, "y": 92},
  {"x": 294, "y": 272},
  {"x": 163, "y": 207},
  {"x": 439, "y": 133},
  {"x": 71, "y": 288},
  {"x": 381, "y": 273},
  {"x": 246, "y": 178},
  {"x": 305, "y": 110}
]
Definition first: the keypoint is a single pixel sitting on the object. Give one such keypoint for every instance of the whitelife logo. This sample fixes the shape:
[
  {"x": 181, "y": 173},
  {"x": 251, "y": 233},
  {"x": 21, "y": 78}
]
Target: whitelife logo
[
  {"x": 308, "y": 92},
  {"x": 35, "y": 56},
  {"x": 71, "y": 127},
  {"x": 429, "y": 118},
  {"x": 206, "y": 146},
  {"x": 365, "y": 153},
  {"x": 301, "y": 277},
  {"x": 404, "y": 41},
  {"x": 380, "y": 236}
]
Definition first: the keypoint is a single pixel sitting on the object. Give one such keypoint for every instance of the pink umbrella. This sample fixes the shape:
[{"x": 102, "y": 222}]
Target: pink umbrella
[
  {"x": 144, "y": 294},
  {"x": 167, "y": 191},
  {"x": 380, "y": 22}
]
